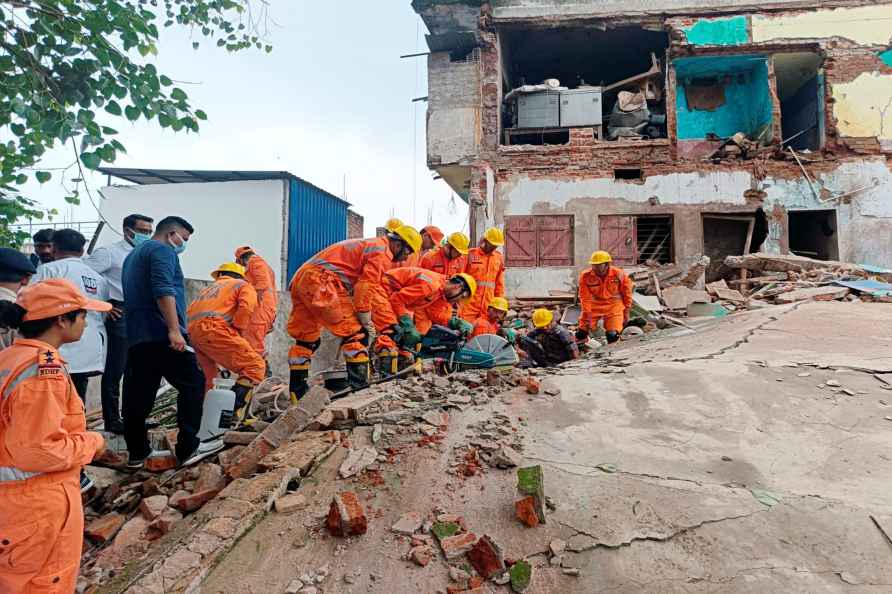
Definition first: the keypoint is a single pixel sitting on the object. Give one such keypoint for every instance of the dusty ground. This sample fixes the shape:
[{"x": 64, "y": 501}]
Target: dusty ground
[{"x": 697, "y": 425}]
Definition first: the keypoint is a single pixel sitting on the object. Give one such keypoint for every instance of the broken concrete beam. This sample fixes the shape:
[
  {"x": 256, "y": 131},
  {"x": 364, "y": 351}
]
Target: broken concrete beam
[
  {"x": 346, "y": 516},
  {"x": 104, "y": 528},
  {"x": 781, "y": 263},
  {"x": 295, "y": 419},
  {"x": 239, "y": 437},
  {"x": 486, "y": 557},
  {"x": 831, "y": 293},
  {"x": 352, "y": 406},
  {"x": 521, "y": 574},
  {"x": 458, "y": 545},
  {"x": 531, "y": 483},
  {"x": 681, "y": 297}
]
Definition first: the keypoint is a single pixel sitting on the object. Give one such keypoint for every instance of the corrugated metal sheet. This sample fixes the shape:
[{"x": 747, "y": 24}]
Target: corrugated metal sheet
[{"x": 317, "y": 220}]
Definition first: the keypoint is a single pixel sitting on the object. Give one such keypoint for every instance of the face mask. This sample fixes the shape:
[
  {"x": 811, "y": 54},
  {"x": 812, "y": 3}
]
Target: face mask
[
  {"x": 179, "y": 249},
  {"x": 139, "y": 238}
]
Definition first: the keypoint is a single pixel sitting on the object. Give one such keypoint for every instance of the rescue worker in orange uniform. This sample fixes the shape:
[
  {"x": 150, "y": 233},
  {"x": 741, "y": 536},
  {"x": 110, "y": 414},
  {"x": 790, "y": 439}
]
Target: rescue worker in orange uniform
[
  {"x": 431, "y": 237},
  {"x": 262, "y": 278},
  {"x": 217, "y": 321},
  {"x": 605, "y": 293},
  {"x": 450, "y": 258},
  {"x": 491, "y": 323},
  {"x": 336, "y": 289},
  {"x": 487, "y": 266},
  {"x": 417, "y": 299},
  {"x": 391, "y": 225},
  {"x": 44, "y": 442}
]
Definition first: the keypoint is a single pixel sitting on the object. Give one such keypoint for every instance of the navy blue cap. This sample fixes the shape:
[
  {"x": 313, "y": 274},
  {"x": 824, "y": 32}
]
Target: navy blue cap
[{"x": 14, "y": 261}]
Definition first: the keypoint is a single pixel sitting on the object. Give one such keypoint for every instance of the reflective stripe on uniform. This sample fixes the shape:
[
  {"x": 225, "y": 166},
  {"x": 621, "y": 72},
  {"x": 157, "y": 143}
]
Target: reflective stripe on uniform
[
  {"x": 209, "y": 314},
  {"x": 27, "y": 372},
  {"x": 374, "y": 249},
  {"x": 425, "y": 278},
  {"x": 486, "y": 284},
  {"x": 9, "y": 474},
  {"x": 332, "y": 268}
]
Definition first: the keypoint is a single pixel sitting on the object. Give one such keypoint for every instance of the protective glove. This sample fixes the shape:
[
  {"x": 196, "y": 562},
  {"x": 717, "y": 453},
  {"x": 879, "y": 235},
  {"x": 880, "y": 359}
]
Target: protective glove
[
  {"x": 409, "y": 335},
  {"x": 463, "y": 326},
  {"x": 365, "y": 320},
  {"x": 509, "y": 334},
  {"x": 581, "y": 335}
]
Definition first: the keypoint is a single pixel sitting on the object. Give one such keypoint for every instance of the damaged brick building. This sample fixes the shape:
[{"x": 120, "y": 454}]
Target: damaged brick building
[{"x": 664, "y": 130}]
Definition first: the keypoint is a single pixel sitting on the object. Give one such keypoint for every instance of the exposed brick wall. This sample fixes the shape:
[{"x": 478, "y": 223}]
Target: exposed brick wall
[{"x": 355, "y": 225}]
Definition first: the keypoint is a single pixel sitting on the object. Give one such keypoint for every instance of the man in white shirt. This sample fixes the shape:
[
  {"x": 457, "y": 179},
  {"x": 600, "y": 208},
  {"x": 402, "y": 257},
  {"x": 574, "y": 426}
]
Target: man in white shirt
[
  {"x": 109, "y": 262},
  {"x": 86, "y": 357}
]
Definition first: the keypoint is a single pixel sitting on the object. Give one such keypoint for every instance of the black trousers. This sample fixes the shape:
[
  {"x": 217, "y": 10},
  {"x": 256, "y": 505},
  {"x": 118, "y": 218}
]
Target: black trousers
[
  {"x": 147, "y": 363},
  {"x": 115, "y": 360},
  {"x": 81, "y": 381}
]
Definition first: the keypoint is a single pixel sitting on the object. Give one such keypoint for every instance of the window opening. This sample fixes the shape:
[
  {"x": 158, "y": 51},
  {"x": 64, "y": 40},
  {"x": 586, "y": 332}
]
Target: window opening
[
  {"x": 723, "y": 236},
  {"x": 813, "y": 234},
  {"x": 570, "y": 77},
  {"x": 633, "y": 240},
  {"x": 628, "y": 174},
  {"x": 800, "y": 88}
]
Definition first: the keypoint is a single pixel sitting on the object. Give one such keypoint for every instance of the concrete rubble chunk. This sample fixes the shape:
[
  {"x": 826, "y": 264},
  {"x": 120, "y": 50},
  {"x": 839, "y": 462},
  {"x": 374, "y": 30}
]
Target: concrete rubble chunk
[
  {"x": 346, "y": 516},
  {"x": 458, "y": 545},
  {"x": 532, "y": 385},
  {"x": 437, "y": 418},
  {"x": 521, "y": 574},
  {"x": 357, "y": 461},
  {"x": 295, "y": 419},
  {"x": 152, "y": 507},
  {"x": 239, "y": 437},
  {"x": 290, "y": 502},
  {"x": 293, "y": 587},
  {"x": 408, "y": 524},
  {"x": 353, "y": 406},
  {"x": 557, "y": 546},
  {"x": 531, "y": 483},
  {"x": 421, "y": 555},
  {"x": 830, "y": 293},
  {"x": 104, "y": 528},
  {"x": 163, "y": 524},
  {"x": 507, "y": 457},
  {"x": 486, "y": 557},
  {"x": 210, "y": 477},
  {"x": 445, "y": 528}
]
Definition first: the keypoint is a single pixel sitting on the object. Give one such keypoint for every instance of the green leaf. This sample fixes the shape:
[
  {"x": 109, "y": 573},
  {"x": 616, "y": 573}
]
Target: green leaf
[
  {"x": 21, "y": 178},
  {"x": 113, "y": 107},
  {"x": 165, "y": 81},
  {"x": 195, "y": 45},
  {"x": 132, "y": 113},
  {"x": 178, "y": 95},
  {"x": 200, "y": 114},
  {"x": 43, "y": 176},
  {"x": 90, "y": 160}
]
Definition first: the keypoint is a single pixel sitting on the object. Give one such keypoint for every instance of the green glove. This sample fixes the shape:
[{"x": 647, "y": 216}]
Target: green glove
[
  {"x": 409, "y": 336},
  {"x": 509, "y": 334},
  {"x": 463, "y": 326}
]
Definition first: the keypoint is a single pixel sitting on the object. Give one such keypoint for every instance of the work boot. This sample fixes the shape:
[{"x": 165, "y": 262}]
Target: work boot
[
  {"x": 358, "y": 374},
  {"x": 405, "y": 361},
  {"x": 243, "y": 394},
  {"x": 388, "y": 363},
  {"x": 298, "y": 384}
]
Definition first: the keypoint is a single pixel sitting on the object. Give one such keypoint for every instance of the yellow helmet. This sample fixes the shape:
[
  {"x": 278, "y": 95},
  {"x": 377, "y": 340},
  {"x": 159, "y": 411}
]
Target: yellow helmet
[
  {"x": 468, "y": 280},
  {"x": 411, "y": 236},
  {"x": 494, "y": 236},
  {"x": 542, "y": 318},
  {"x": 229, "y": 267},
  {"x": 460, "y": 242},
  {"x": 499, "y": 303},
  {"x": 393, "y": 224},
  {"x": 600, "y": 257}
]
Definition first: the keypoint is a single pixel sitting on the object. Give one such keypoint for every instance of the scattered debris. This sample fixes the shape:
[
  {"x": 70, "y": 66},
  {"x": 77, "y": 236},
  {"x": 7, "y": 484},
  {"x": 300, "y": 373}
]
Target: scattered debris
[
  {"x": 408, "y": 524},
  {"x": 486, "y": 557},
  {"x": 346, "y": 516},
  {"x": 357, "y": 461},
  {"x": 521, "y": 574},
  {"x": 531, "y": 483}
]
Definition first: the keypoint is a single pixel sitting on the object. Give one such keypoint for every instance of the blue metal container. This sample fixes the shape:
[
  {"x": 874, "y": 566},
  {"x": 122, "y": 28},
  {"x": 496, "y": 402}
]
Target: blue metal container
[{"x": 317, "y": 219}]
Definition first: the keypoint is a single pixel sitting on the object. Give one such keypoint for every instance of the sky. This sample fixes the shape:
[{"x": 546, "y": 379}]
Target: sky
[{"x": 333, "y": 99}]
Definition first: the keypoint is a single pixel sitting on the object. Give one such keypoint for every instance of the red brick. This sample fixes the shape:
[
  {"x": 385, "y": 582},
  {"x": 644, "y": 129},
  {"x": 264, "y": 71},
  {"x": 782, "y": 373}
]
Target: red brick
[
  {"x": 421, "y": 555},
  {"x": 228, "y": 456},
  {"x": 163, "y": 523},
  {"x": 152, "y": 507},
  {"x": 346, "y": 516},
  {"x": 189, "y": 502},
  {"x": 210, "y": 477},
  {"x": 104, "y": 528},
  {"x": 458, "y": 545},
  {"x": 161, "y": 463},
  {"x": 532, "y": 385},
  {"x": 486, "y": 557},
  {"x": 525, "y": 510}
]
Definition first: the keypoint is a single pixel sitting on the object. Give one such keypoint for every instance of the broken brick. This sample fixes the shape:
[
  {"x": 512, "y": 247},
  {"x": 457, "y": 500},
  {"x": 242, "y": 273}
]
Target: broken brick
[
  {"x": 152, "y": 507},
  {"x": 408, "y": 524},
  {"x": 525, "y": 510},
  {"x": 289, "y": 503},
  {"x": 458, "y": 545},
  {"x": 532, "y": 385},
  {"x": 531, "y": 482},
  {"x": 210, "y": 477},
  {"x": 104, "y": 528},
  {"x": 239, "y": 437},
  {"x": 421, "y": 555},
  {"x": 163, "y": 523},
  {"x": 346, "y": 516},
  {"x": 161, "y": 462},
  {"x": 486, "y": 557},
  {"x": 190, "y": 502}
]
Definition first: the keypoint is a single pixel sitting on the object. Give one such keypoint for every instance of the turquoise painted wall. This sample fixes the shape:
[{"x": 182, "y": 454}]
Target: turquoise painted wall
[
  {"x": 886, "y": 57},
  {"x": 731, "y": 31},
  {"x": 747, "y": 105}
]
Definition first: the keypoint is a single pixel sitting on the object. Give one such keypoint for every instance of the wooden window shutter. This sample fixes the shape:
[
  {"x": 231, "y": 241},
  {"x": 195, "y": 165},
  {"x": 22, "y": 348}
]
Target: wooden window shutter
[
  {"x": 520, "y": 241},
  {"x": 616, "y": 234},
  {"x": 555, "y": 240}
]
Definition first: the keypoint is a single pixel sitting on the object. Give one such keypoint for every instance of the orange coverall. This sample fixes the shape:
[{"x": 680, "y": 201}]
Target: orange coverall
[
  {"x": 484, "y": 326},
  {"x": 261, "y": 277},
  {"x": 44, "y": 443},
  {"x": 414, "y": 259},
  {"x": 216, "y": 322},
  {"x": 437, "y": 261},
  {"x": 413, "y": 291},
  {"x": 489, "y": 272},
  {"x": 606, "y": 299},
  {"x": 329, "y": 289}
]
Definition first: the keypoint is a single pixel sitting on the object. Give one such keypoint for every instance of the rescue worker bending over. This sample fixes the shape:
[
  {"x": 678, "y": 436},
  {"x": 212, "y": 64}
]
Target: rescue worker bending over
[
  {"x": 448, "y": 259},
  {"x": 492, "y": 322},
  {"x": 336, "y": 289},
  {"x": 417, "y": 299},
  {"x": 217, "y": 321},
  {"x": 549, "y": 343},
  {"x": 487, "y": 266},
  {"x": 605, "y": 293},
  {"x": 261, "y": 277},
  {"x": 430, "y": 238},
  {"x": 44, "y": 442}
]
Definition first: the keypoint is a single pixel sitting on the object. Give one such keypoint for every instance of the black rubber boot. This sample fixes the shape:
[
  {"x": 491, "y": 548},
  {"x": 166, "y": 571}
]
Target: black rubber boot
[
  {"x": 612, "y": 336},
  {"x": 358, "y": 374},
  {"x": 243, "y": 394},
  {"x": 298, "y": 383}
]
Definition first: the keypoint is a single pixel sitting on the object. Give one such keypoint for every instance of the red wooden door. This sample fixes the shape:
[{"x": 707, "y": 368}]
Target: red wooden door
[
  {"x": 616, "y": 234},
  {"x": 555, "y": 240},
  {"x": 520, "y": 241}
]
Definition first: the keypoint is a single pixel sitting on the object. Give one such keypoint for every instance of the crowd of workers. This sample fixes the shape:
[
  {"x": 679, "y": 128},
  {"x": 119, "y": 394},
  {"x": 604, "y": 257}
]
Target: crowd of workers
[{"x": 121, "y": 312}]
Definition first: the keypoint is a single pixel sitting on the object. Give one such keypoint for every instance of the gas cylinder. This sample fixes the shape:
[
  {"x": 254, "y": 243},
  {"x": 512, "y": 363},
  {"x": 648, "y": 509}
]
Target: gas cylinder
[{"x": 219, "y": 410}]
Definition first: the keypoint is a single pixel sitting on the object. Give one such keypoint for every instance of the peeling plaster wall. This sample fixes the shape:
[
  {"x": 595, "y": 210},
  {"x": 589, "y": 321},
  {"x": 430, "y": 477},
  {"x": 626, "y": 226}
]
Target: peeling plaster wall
[
  {"x": 863, "y": 107},
  {"x": 866, "y": 25},
  {"x": 453, "y": 110},
  {"x": 728, "y": 31}
]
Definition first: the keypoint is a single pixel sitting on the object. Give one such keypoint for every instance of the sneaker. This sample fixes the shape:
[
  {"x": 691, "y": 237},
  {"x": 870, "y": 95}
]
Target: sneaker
[
  {"x": 134, "y": 463},
  {"x": 204, "y": 450},
  {"x": 86, "y": 482},
  {"x": 116, "y": 427}
]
